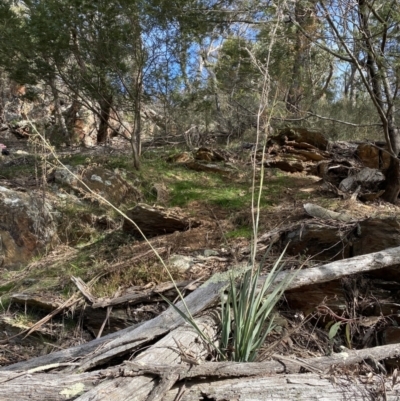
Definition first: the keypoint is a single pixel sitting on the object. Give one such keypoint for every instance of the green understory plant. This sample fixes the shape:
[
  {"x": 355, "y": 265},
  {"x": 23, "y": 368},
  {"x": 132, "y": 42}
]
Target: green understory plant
[{"x": 247, "y": 313}]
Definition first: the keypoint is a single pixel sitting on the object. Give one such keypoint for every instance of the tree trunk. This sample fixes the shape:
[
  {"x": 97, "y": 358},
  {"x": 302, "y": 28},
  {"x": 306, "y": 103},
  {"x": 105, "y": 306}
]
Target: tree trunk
[
  {"x": 296, "y": 92},
  {"x": 57, "y": 111},
  {"x": 383, "y": 99},
  {"x": 105, "y": 109},
  {"x": 392, "y": 181}
]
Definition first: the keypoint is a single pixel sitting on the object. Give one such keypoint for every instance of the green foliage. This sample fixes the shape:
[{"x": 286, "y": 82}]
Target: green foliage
[
  {"x": 240, "y": 232},
  {"x": 333, "y": 330},
  {"x": 247, "y": 314}
]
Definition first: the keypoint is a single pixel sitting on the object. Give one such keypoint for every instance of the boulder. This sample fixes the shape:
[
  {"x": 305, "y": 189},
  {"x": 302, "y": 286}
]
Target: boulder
[
  {"x": 109, "y": 184},
  {"x": 27, "y": 226},
  {"x": 154, "y": 221}
]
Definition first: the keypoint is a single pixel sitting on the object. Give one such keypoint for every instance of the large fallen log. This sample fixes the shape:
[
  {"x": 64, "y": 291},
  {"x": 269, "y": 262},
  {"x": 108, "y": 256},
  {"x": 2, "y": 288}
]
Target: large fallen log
[
  {"x": 302, "y": 387},
  {"x": 205, "y": 296},
  {"x": 61, "y": 386}
]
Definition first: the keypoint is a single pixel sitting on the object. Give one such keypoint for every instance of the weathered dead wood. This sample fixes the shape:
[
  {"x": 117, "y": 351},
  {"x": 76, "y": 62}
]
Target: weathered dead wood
[
  {"x": 307, "y": 387},
  {"x": 46, "y": 386},
  {"x": 57, "y": 386},
  {"x": 325, "y": 214},
  {"x": 128, "y": 339},
  {"x": 206, "y": 296},
  {"x": 180, "y": 345},
  {"x": 67, "y": 304},
  {"x": 60, "y": 387},
  {"x": 299, "y": 135},
  {"x": 286, "y": 364},
  {"x": 136, "y": 297},
  {"x": 83, "y": 288}
]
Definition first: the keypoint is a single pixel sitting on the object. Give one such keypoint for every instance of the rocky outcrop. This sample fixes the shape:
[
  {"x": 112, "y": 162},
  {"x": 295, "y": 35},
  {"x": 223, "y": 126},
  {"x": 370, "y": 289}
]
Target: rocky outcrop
[{"x": 27, "y": 226}]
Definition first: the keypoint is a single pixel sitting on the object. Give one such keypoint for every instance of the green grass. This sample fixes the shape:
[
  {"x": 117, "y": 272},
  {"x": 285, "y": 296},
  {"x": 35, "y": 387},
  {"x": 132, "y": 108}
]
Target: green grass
[
  {"x": 18, "y": 171},
  {"x": 240, "y": 232},
  {"x": 76, "y": 160}
]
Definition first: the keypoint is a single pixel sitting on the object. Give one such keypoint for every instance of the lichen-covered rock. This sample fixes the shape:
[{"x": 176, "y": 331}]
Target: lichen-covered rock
[
  {"x": 27, "y": 226},
  {"x": 106, "y": 183}
]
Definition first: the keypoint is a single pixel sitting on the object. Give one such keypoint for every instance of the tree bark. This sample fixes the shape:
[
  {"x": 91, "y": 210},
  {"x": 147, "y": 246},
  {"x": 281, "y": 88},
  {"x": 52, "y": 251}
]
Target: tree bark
[{"x": 105, "y": 110}]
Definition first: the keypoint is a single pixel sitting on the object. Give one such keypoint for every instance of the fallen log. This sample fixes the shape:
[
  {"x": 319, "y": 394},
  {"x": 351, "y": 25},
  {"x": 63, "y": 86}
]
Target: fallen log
[
  {"x": 310, "y": 387},
  {"x": 61, "y": 386},
  {"x": 202, "y": 298},
  {"x": 182, "y": 345}
]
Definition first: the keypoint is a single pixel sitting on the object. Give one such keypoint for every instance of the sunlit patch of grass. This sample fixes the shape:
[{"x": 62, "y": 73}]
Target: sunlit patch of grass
[{"x": 240, "y": 232}]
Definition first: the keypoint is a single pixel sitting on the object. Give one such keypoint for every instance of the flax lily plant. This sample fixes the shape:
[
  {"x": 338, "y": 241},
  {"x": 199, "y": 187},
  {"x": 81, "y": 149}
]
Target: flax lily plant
[{"x": 247, "y": 313}]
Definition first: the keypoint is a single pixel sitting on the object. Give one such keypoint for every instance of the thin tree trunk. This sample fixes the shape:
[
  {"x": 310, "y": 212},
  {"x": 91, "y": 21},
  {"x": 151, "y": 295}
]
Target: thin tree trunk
[
  {"x": 57, "y": 111},
  {"x": 105, "y": 110}
]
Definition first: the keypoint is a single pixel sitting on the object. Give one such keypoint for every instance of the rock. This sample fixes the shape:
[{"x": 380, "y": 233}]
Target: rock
[
  {"x": 375, "y": 235},
  {"x": 373, "y": 156},
  {"x": 299, "y": 135},
  {"x": 81, "y": 124},
  {"x": 209, "y": 168},
  {"x": 110, "y": 185},
  {"x": 331, "y": 294},
  {"x": 367, "y": 178},
  {"x": 210, "y": 252},
  {"x": 20, "y": 152},
  {"x": 328, "y": 242},
  {"x": 21, "y": 129},
  {"x": 154, "y": 221},
  {"x": 181, "y": 262},
  {"x": 27, "y": 226},
  {"x": 391, "y": 335},
  {"x": 161, "y": 192}
]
